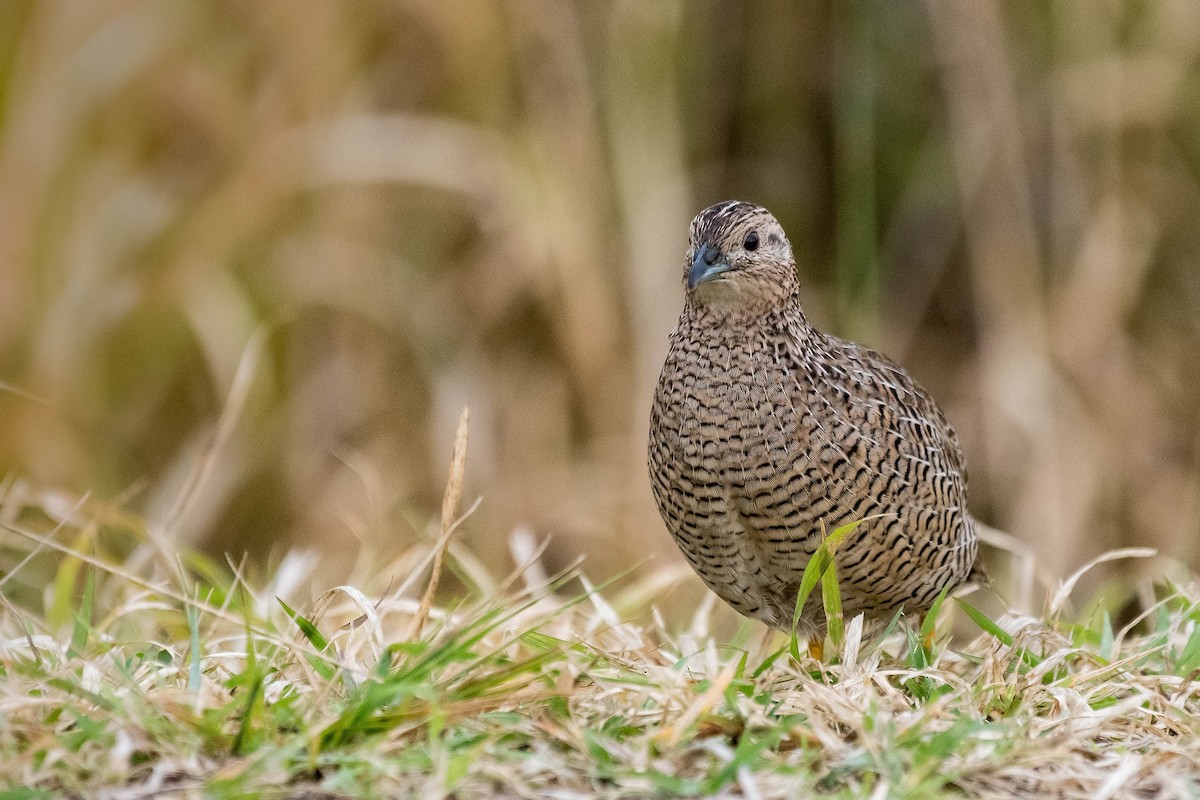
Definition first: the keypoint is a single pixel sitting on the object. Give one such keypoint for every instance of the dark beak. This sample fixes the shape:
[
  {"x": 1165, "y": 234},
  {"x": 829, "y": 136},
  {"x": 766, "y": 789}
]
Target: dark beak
[{"x": 708, "y": 264}]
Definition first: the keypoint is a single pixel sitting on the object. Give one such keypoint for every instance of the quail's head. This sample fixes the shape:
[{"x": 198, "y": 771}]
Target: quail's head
[{"x": 739, "y": 259}]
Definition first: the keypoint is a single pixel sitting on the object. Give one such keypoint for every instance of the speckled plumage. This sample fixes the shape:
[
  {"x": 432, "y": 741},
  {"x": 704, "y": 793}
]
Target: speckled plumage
[{"x": 765, "y": 431}]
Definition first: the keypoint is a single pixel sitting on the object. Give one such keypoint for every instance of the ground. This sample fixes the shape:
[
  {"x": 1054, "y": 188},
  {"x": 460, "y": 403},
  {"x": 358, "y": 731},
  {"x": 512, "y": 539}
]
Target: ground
[{"x": 153, "y": 677}]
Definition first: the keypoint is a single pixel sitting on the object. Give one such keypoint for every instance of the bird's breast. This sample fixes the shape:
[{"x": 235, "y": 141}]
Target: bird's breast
[{"x": 723, "y": 411}]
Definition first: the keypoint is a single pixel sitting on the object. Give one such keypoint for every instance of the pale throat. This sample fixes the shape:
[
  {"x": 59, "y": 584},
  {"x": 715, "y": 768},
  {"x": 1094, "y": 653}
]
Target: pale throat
[{"x": 742, "y": 305}]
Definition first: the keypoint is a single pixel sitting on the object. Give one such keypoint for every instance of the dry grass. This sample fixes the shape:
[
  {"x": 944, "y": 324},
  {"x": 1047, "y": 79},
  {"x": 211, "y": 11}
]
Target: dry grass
[
  {"x": 255, "y": 261},
  {"x": 186, "y": 680},
  {"x": 420, "y": 208}
]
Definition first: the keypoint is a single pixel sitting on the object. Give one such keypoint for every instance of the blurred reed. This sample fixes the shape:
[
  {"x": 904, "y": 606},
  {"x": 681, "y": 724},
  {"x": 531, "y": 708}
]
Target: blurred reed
[{"x": 419, "y": 206}]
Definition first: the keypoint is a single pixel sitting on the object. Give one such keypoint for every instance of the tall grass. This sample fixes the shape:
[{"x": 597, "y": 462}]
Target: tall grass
[
  {"x": 190, "y": 679},
  {"x": 418, "y": 207}
]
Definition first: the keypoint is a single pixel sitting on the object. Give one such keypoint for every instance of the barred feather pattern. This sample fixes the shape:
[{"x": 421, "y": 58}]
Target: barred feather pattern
[{"x": 766, "y": 433}]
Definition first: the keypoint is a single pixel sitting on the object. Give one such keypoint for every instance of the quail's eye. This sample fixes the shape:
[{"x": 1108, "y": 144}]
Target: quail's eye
[{"x": 751, "y": 242}]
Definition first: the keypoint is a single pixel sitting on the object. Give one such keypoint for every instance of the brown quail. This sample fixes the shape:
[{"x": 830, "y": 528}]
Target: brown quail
[{"x": 766, "y": 433}]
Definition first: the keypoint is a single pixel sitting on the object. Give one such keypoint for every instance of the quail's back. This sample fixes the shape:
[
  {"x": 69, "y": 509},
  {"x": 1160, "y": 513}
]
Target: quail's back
[{"x": 765, "y": 433}]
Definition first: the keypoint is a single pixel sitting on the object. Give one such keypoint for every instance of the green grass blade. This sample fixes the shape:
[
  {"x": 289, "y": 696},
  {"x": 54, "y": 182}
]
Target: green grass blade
[
  {"x": 1189, "y": 658},
  {"x": 985, "y": 623},
  {"x": 832, "y": 598},
  {"x": 61, "y": 610},
  {"x": 929, "y": 624},
  {"x": 306, "y": 627},
  {"x": 83, "y": 617},
  {"x": 314, "y": 637},
  {"x": 814, "y": 571},
  {"x": 253, "y": 676}
]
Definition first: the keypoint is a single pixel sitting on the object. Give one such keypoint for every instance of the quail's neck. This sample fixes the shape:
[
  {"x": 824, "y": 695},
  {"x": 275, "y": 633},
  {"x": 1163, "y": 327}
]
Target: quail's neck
[{"x": 778, "y": 315}]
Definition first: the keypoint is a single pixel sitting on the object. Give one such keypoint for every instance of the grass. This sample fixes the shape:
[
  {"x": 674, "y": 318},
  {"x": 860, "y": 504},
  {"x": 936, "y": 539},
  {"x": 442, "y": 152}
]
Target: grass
[
  {"x": 156, "y": 677},
  {"x": 1001, "y": 199},
  {"x": 208, "y": 688}
]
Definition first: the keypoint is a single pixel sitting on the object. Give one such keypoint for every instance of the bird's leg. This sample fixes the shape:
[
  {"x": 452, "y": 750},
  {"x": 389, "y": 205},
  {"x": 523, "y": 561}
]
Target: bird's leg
[{"x": 816, "y": 648}]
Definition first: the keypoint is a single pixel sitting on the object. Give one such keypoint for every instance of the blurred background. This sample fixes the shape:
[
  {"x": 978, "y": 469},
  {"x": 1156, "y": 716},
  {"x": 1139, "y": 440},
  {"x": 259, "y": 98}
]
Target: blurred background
[{"x": 256, "y": 257}]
